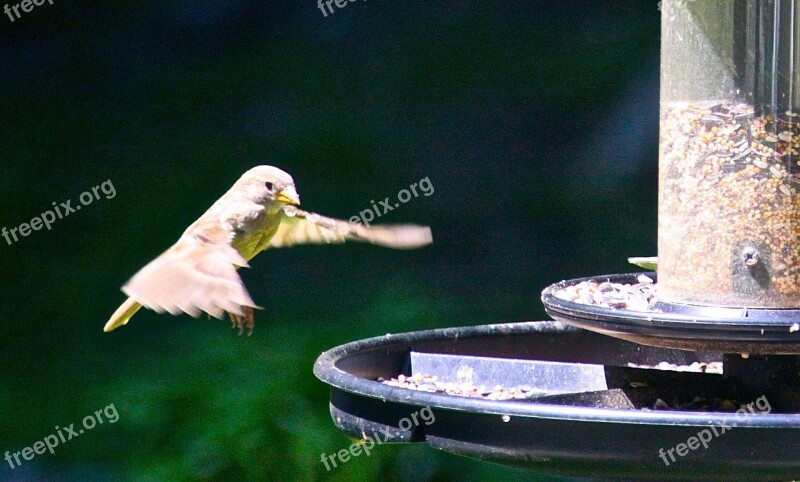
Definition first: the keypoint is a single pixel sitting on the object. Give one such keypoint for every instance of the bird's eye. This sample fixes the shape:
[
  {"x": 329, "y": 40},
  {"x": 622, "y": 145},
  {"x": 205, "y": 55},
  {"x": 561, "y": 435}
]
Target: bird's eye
[{"x": 269, "y": 186}]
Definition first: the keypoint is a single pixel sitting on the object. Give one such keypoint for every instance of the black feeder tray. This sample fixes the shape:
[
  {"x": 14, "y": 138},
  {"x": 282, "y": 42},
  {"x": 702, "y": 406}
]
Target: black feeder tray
[
  {"x": 746, "y": 331},
  {"x": 592, "y": 414}
]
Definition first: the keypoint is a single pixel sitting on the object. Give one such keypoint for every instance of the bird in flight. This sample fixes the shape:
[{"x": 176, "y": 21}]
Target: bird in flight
[{"x": 198, "y": 273}]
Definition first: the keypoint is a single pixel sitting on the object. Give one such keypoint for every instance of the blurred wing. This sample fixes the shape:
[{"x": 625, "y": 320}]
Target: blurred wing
[
  {"x": 301, "y": 227},
  {"x": 197, "y": 274}
]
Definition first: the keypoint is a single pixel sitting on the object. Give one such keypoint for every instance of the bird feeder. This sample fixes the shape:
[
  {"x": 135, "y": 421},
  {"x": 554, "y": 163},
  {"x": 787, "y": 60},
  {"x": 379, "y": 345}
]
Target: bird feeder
[
  {"x": 638, "y": 365},
  {"x": 729, "y": 159}
]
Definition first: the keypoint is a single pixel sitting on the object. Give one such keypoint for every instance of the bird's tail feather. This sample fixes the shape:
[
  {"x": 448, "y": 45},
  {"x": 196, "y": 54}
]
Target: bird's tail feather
[{"x": 122, "y": 315}]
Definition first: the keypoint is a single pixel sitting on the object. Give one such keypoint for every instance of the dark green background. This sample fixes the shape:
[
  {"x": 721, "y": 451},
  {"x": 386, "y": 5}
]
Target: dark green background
[{"x": 536, "y": 122}]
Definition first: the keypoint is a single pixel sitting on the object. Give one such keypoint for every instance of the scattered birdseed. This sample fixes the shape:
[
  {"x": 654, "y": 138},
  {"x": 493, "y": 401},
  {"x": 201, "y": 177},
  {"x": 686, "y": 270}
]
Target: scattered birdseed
[
  {"x": 726, "y": 178},
  {"x": 641, "y": 296},
  {"x": 635, "y": 297},
  {"x": 432, "y": 384},
  {"x": 696, "y": 367}
]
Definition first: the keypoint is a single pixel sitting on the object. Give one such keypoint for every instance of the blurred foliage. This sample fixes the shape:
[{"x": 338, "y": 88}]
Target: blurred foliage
[{"x": 535, "y": 121}]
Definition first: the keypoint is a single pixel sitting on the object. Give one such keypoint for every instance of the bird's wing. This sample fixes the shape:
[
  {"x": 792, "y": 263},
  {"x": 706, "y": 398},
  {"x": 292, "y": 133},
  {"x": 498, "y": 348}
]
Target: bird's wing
[
  {"x": 196, "y": 274},
  {"x": 302, "y": 227}
]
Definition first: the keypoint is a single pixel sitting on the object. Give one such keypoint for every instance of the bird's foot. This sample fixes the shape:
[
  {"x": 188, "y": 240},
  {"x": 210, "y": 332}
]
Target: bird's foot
[{"x": 245, "y": 321}]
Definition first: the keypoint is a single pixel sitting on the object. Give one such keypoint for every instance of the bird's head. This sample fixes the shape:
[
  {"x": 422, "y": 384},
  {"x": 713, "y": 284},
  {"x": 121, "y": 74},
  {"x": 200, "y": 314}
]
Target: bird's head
[{"x": 267, "y": 184}]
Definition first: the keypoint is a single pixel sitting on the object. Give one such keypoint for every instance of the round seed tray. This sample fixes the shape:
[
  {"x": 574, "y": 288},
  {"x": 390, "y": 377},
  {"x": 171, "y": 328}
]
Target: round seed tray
[
  {"x": 680, "y": 326},
  {"x": 560, "y": 438}
]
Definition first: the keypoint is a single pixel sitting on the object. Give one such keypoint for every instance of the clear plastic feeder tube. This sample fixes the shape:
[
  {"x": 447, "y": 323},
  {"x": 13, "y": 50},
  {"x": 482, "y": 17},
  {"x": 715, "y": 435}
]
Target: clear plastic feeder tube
[{"x": 729, "y": 153}]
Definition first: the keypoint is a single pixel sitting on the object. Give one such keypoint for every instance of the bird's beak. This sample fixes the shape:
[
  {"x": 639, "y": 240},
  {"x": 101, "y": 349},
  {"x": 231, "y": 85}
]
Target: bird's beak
[{"x": 289, "y": 196}]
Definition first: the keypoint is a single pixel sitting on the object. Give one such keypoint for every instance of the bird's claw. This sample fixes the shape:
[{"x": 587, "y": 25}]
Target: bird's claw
[{"x": 243, "y": 321}]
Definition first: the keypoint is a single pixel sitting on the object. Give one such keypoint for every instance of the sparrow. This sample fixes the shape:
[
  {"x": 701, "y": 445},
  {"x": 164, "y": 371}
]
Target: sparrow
[{"x": 199, "y": 272}]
